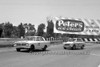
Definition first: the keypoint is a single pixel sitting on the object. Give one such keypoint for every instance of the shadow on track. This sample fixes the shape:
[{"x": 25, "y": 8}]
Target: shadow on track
[{"x": 26, "y": 51}]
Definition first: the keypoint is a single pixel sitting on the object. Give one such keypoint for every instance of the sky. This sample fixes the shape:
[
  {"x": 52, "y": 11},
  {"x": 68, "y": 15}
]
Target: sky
[{"x": 36, "y": 11}]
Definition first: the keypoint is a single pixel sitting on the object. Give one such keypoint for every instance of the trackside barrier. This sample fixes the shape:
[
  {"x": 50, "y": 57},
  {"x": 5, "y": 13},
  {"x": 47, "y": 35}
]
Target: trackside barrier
[
  {"x": 8, "y": 42},
  {"x": 95, "y": 42},
  {"x": 92, "y": 40},
  {"x": 54, "y": 41}
]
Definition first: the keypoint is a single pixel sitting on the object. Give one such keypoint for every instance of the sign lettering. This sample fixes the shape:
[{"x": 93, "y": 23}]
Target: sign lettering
[{"x": 70, "y": 25}]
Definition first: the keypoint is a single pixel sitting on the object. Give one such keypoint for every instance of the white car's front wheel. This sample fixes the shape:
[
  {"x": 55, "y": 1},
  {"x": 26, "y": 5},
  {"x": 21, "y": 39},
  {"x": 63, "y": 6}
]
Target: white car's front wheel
[
  {"x": 74, "y": 47},
  {"x": 32, "y": 48},
  {"x": 64, "y": 47},
  {"x": 17, "y": 49}
]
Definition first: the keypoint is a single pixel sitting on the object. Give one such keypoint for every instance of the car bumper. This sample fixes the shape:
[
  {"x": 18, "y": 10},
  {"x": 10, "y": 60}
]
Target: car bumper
[
  {"x": 67, "y": 46},
  {"x": 22, "y": 47}
]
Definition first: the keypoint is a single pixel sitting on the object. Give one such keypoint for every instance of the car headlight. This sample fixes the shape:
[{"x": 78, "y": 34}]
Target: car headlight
[{"x": 27, "y": 44}]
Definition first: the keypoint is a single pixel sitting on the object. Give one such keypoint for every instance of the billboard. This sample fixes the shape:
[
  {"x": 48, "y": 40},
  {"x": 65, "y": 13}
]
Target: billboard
[{"x": 77, "y": 26}]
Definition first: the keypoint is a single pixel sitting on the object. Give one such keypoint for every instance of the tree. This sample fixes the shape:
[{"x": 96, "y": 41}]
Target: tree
[
  {"x": 50, "y": 30},
  {"x": 15, "y": 32},
  {"x": 8, "y": 28},
  {"x": 29, "y": 29},
  {"x": 1, "y": 29},
  {"x": 40, "y": 30},
  {"x": 32, "y": 30},
  {"x": 21, "y": 30}
]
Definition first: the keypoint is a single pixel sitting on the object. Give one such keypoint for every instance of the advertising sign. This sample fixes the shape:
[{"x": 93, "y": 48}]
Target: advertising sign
[
  {"x": 69, "y": 25},
  {"x": 72, "y": 26}
]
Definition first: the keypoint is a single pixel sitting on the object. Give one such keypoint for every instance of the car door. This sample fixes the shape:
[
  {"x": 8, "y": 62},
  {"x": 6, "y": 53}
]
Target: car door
[
  {"x": 40, "y": 43},
  {"x": 79, "y": 42}
]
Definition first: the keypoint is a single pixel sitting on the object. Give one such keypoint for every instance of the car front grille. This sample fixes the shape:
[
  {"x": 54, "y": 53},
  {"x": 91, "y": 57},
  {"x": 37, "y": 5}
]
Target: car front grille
[{"x": 21, "y": 44}]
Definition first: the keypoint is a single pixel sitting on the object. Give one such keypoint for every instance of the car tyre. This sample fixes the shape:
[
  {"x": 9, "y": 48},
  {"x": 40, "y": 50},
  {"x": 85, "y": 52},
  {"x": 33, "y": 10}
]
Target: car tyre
[
  {"x": 74, "y": 47},
  {"x": 82, "y": 47},
  {"x": 32, "y": 48},
  {"x": 45, "y": 47},
  {"x": 17, "y": 49},
  {"x": 65, "y": 48}
]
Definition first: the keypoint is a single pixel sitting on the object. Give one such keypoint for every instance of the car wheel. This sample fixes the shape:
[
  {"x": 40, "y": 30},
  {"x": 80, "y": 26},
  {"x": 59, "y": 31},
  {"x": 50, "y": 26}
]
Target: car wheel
[
  {"x": 74, "y": 47},
  {"x": 32, "y": 48},
  {"x": 17, "y": 49},
  {"x": 65, "y": 48},
  {"x": 82, "y": 47},
  {"x": 44, "y": 48}
]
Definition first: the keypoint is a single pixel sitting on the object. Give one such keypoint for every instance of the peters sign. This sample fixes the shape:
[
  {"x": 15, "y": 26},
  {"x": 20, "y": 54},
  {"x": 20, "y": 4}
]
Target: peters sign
[
  {"x": 72, "y": 26},
  {"x": 69, "y": 25}
]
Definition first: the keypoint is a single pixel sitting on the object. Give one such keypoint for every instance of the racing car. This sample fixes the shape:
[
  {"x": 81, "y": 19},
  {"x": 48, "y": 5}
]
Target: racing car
[
  {"x": 74, "y": 43},
  {"x": 31, "y": 43}
]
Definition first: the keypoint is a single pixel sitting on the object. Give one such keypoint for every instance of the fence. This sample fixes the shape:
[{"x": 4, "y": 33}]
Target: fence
[
  {"x": 92, "y": 40},
  {"x": 8, "y": 42},
  {"x": 60, "y": 40},
  {"x": 54, "y": 40}
]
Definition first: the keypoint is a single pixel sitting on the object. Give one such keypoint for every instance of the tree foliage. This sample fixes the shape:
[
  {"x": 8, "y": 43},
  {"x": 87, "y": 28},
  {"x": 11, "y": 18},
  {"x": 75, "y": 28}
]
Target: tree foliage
[
  {"x": 15, "y": 32},
  {"x": 21, "y": 30},
  {"x": 1, "y": 29},
  {"x": 40, "y": 30},
  {"x": 50, "y": 27},
  {"x": 8, "y": 28},
  {"x": 29, "y": 29}
]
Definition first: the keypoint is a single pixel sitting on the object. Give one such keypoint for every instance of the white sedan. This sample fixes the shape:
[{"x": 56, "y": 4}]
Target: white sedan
[
  {"x": 74, "y": 43},
  {"x": 31, "y": 43}
]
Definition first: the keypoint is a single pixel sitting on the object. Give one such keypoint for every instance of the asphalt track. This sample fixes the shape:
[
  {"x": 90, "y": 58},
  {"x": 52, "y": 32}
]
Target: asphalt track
[{"x": 55, "y": 56}]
